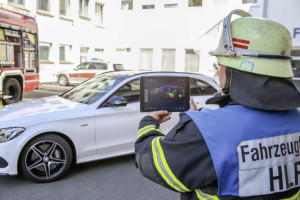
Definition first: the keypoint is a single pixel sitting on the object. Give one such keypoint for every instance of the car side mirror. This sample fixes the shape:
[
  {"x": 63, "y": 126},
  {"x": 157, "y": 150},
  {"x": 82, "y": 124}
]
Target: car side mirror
[{"x": 116, "y": 101}]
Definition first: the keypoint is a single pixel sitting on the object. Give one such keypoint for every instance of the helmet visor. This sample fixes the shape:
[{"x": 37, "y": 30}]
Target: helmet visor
[{"x": 218, "y": 41}]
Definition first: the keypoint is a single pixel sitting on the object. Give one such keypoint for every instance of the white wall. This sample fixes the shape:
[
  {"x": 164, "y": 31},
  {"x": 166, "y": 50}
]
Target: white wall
[{"x": 159, "y": 28}]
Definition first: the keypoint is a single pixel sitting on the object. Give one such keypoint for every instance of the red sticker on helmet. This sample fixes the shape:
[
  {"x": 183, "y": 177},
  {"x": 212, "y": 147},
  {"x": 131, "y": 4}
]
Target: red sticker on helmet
[{"x": 243, "y": 45}]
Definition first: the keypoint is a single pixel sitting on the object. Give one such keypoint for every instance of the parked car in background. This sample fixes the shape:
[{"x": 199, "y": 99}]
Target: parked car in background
[
  {"x": 85, "y": 71},
  {"x": 94, "y": 120}
]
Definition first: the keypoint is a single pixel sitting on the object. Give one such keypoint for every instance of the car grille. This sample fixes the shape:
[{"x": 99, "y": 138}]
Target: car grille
[{"x": 3, "y": 163}]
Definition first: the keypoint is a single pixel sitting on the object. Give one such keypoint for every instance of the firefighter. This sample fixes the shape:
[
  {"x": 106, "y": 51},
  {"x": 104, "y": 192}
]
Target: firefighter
[{"x": 248, "y": 148}]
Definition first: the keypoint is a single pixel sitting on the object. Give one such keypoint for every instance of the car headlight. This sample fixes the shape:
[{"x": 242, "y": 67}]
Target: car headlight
[{"x": 7, "y": 134}]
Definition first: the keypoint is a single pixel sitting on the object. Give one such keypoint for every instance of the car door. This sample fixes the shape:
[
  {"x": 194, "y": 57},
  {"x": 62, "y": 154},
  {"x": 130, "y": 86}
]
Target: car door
[
  {"x": 79, "y": 73},
  {"x": 116, "y": 127}
]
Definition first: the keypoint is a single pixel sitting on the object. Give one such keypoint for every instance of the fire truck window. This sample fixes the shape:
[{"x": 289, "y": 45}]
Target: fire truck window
[
  {"x": 1, "y": 34},
  {"x": 29, "y": 41}
]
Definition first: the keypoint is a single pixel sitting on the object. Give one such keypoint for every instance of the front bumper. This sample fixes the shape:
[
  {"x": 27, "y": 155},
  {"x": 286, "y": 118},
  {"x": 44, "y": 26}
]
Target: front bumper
[{"x": 9, "y": 154}]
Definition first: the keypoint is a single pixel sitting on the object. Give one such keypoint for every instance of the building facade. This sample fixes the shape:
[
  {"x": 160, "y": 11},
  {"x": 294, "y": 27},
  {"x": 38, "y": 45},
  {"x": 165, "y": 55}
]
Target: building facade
[{"x": 141, "y": 34}]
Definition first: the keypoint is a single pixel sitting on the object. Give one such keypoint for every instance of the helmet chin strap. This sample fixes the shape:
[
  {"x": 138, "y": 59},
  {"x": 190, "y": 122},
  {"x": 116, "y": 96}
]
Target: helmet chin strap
[{"x": 226, "y": 88}]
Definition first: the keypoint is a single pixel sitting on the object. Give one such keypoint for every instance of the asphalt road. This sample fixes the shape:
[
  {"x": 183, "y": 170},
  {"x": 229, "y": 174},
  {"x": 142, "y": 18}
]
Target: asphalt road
[{"x": 109, "y": 179}]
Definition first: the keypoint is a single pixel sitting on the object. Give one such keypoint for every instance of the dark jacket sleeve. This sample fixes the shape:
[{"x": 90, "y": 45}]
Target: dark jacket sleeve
[{"x": 179, "y": 160}]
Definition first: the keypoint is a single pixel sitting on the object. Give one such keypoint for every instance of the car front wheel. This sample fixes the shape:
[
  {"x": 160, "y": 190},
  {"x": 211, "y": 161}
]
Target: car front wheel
[
  {"x": 63, "y": 80},
  {"x": 46, "y": 158}
]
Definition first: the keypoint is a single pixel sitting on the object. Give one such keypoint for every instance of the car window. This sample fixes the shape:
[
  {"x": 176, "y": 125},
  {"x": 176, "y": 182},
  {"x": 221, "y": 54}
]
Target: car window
[
  {"x": 93, "y": 89},
  {"x": 200, "y": 88},
  {"x": 99, "y": 66},
  {"x": 130, "y": 91},
  {"x": 83, "y": 66},
  {"x": 118, "y": 67}
]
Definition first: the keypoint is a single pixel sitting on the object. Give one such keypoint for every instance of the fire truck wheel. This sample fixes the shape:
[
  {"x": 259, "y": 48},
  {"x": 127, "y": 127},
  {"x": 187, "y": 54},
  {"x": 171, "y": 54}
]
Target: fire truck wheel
[
  {"x": 12, "y": 88},
  {"x": 63, "y": 80},
  {"x": 46, "y": 158}
]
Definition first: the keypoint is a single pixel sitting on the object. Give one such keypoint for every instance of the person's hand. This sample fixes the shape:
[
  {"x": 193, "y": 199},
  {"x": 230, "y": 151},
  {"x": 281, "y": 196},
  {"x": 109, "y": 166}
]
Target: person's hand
[
  {"x": 160, "y": 116},
  {"x": 193, "y": 106}
]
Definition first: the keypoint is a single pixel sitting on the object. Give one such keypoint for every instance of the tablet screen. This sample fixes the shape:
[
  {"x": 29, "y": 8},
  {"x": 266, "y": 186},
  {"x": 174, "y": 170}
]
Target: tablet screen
[{"x": 165, "y": 93}]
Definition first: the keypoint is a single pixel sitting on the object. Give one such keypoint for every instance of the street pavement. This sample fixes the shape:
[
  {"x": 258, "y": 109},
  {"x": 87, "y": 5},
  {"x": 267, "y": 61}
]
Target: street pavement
[
  {"x": 45, "y": 90},
  {"x": 110, "y": 179}
]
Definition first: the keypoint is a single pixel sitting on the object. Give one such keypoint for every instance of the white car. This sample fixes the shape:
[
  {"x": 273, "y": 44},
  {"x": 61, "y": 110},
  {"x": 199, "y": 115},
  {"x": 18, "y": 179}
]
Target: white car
[
  {"x": 85, "y": 71},
  {"x": 97, "y": 119}
]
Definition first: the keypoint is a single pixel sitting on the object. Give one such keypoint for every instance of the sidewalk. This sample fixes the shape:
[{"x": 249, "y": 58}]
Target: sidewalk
[{"x": 53, "y": 86}]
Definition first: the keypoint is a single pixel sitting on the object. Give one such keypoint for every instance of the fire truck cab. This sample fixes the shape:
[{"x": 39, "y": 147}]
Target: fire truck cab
[{"x": 19, "y": 56}]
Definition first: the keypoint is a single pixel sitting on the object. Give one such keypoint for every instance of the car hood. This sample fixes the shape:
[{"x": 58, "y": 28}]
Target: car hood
[{"x": 38, "y": 111}]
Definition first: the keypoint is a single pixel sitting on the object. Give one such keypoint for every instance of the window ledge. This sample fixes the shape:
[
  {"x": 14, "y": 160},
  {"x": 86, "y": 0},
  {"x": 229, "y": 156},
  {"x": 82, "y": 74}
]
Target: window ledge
[
  {"x": 66, "y": 62},
  {"x": 42, "y": 12},
  {"x": 85, "y": 17},
  {"x": 19, "y": 6},
  {"x": 99, "y": 26},
  {"x": 46, "y": 62},
  {"x": 66, "y": 18}
]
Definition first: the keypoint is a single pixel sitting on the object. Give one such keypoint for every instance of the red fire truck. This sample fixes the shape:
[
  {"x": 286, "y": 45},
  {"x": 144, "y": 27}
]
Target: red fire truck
[{"x": 19, "y": 55}]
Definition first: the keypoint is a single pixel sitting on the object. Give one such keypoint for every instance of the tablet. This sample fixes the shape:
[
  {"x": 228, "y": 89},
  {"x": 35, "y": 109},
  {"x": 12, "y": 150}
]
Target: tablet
[{"x": 171, "y": 93}]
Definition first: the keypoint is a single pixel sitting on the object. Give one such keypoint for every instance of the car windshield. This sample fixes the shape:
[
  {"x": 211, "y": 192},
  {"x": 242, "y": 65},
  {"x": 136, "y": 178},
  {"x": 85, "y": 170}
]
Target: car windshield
[{"x": 93, "y": 89}]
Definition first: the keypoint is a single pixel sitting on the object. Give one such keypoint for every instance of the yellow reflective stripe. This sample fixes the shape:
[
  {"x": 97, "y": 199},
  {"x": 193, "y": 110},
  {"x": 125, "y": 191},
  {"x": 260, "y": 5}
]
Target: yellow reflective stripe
[
  {"x": 163, "y": 168},
  {"x": 199, "y": 196},
  {"x": 142, "y": 129},
  {"x": 295, "y": 197},
  {"x": 202, "y": 196},
  {"x": 147, "y": 129}
]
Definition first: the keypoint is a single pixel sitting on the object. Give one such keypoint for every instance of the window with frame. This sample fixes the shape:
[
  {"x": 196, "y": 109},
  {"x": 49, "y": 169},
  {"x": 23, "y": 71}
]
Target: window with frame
[
  {"x": 201, "y": 88},
  {"x": 64, "y": 8},
  {"x": 64, "y": 53},
  {"x": 193, "y": 3},
  {"x": 45, "y": 51},
  {"x": 249, "y": 1},
  {"x": 191, "y": 61},
  {"x": 83, "y": 8},
  {"x": 20, "y": 2},
  {"x": 83, "y": 54},
  {"x": 99, "y": 13},
  {"x": 127, "y": 5},
  {"x": 43, "y": 5},
  {"x": 168, "y": 60},
  {"x": 130, "y": 91},
  {"x": 146, "y": 57},
  {"x": 296, "y": 62}
]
